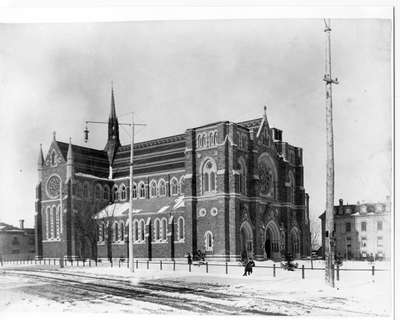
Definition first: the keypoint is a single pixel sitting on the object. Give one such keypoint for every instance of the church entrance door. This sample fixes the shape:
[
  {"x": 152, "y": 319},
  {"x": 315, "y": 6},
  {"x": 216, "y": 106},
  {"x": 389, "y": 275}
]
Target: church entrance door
[
  {"x": 246, "y": 241},
  {"x": 268, "y": 247}
]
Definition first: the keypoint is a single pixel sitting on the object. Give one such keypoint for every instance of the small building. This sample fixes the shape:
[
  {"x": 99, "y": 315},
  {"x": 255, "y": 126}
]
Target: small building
[
  {"x": 361, "y": 229},
  {"x": 16, "y": 243}
]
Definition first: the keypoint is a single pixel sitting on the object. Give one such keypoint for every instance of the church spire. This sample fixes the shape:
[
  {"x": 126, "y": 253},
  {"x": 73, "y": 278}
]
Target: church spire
[
  {"x": 113, "y": 114},
  {"x": 70, "y": 161},
  {"x": 40, "y": 163},
  {"x": 40, "y": 158},
  {"x": 113, "y": 142}
]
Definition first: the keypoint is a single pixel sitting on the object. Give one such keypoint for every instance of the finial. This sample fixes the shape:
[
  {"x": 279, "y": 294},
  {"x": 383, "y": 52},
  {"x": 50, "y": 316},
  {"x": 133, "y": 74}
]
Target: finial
[
  {"x": 70, "y": 140},
  {"x": 54, "y": 135},
  {"x": 265, "y": 111}
]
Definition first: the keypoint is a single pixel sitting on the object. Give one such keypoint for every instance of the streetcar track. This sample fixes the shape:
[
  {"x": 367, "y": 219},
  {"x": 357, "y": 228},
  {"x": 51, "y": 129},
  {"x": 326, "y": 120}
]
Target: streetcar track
[
  {"x": 145, "y": 293},
  {"x": 142, "y": 294}
]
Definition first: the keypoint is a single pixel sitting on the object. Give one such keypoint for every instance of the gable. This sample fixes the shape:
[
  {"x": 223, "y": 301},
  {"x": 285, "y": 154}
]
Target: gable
[{"x": 54, "y": 156}]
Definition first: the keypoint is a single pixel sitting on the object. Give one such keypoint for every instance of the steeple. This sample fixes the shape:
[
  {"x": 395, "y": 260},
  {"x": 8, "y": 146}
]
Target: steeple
[
  {"x": 40, "y": 158},
  {"x": 70, "y": 161},
  {"x": 113, "y": 131},
  {"x": 264, "y": 122},
  {"x": 40, "y": 163}
]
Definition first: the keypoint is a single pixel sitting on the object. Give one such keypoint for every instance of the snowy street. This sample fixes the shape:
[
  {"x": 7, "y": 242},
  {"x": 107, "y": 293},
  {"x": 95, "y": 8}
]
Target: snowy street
[{"x": 104, "y": 289}]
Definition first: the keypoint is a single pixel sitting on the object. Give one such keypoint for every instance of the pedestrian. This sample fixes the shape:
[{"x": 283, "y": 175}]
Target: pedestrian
[
  {"x": 248, "y": 269},
  {"x": 189, "y": 259}
]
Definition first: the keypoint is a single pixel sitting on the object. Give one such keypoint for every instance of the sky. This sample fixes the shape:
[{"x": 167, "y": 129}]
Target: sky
[{"x": 183, "y": 74}]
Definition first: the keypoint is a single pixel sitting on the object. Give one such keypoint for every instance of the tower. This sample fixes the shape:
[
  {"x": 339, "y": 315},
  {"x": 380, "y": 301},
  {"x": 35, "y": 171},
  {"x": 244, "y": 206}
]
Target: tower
[{"x": 113, "y": 142}]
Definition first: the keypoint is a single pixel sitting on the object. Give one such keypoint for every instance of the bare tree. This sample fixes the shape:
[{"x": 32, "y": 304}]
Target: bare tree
[
  {"x": 105, "y": 220},
  {"x": 86, "y": 226}
]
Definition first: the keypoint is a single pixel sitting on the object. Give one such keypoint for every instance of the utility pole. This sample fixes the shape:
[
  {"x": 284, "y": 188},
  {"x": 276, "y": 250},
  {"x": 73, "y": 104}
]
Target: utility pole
[
  {"x": 330, "y": 169},
  {"x": 130, "y": 236}
]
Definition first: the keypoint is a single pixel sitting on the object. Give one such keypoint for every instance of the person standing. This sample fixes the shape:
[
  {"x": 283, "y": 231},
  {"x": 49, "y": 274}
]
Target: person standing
[
  {"x": 248, "y": 269},
  {"x": 189, "y": 258}
]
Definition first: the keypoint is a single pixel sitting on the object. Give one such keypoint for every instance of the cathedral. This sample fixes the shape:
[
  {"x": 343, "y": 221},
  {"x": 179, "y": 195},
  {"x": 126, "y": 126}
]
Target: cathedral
[{"x": 227, "y": 190}]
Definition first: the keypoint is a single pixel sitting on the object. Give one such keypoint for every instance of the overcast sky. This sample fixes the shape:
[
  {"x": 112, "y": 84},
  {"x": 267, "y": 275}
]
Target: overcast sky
[{"x": 177, "y": 75}]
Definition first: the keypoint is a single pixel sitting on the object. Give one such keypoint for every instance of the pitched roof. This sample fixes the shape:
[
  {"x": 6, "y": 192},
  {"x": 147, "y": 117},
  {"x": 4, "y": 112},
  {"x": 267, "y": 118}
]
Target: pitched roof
[{"x": 87, "y": 160}]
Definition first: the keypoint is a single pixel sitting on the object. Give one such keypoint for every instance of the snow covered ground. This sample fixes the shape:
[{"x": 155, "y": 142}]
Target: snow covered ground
[{"x": 357, "y": 293}]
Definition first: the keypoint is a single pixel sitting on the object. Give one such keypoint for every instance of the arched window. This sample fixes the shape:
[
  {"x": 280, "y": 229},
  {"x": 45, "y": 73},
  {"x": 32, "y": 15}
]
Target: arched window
[
  {"x": 182, "y": 185},
  {"x": 215, "y": 137},
  {"x": 208, "y": 241},
  {"x": 203, "y": 140},
  {"x": 80, "y": 189},
  {"x": 153, "y": 189},
  {"x": 114, "y": 193},
  {"x": 209, "y": 176},
  {"x": 135, "y": 230},
  {"x": 134, "y": 191},
  {"x": 48, "y": 222},
  {"x": 199, "y": 141},
  {"x": 181, "y": 228},
  {"x": 86, "y": 190},
  {"x": 106, "y": 193},
  {"x": 164, "y": 229},
  {"x": 211, "y": 138},
  {"x": 97, "y": 192},
  {"x": 123, "y": 192},
  {"x": 242, "y": 177},
  {"x": 58, "y": 222},
  {"x": 268, "y": 176},
  {"x": 174, "y": 186},
  {"x": 291, "y": 195},
  {"x": 121, "y": 235},
  {"x": 142, "y": 190},
  {"x": 53, "y": 158},
  {"x": 101, "y": 231},
  {"x": 52, "y": 221},
  {"x": 161, "y": 188},
  {"x": 142, "y": 230},
  {"x": 157, "y": 229},
  {"x": 115, "y": 232}
]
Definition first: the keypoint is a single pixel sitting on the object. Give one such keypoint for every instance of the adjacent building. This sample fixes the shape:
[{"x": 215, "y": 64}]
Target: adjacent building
[
  {"x": 228, "y": 189},
  {"x": 16, "y": 242},
  {"x": 361, "y": 230}
]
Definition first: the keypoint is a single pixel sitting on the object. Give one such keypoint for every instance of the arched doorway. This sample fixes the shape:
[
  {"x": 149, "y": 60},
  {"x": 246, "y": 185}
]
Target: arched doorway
[
  {"x": 272, "y": 240},
  {"x": 268, "y": 244},
  {"x": 295, "y": 242},
  {"x": 246, "y": 241}
]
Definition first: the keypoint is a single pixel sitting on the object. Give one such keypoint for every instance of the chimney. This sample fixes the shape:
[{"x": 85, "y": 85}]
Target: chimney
[
  {"x": 21, "y": 224},
  {"x": 340, "y": 206}
]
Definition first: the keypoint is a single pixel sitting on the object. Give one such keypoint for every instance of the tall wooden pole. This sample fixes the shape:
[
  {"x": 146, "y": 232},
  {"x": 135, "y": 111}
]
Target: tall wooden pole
[
  {"x": 330, "y": 169},
  {"x": 130, "y": 236}
]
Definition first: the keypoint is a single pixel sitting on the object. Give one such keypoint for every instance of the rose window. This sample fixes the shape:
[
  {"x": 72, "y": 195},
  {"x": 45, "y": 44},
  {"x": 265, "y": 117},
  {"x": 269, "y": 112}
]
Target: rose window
[
  {"x": 266, "y": 179},
  {"x": 53, "y": 186}
]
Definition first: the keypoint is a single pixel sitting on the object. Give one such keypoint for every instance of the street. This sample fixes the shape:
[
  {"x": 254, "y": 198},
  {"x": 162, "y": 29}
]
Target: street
[{"x": 43, "y": 288}]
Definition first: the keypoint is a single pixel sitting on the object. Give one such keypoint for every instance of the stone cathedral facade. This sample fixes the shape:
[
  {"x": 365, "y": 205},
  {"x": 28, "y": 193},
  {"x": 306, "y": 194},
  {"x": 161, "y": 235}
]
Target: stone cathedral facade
[{"x": 230, "y": 190}]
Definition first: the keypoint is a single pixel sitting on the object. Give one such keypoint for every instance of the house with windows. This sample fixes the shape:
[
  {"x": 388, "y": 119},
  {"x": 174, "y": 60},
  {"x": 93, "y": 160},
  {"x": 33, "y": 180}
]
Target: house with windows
[
  {"x": 361, "y": 230},
  {"x": 16, "y": 242},
  {"x": 230, "y": 190}
]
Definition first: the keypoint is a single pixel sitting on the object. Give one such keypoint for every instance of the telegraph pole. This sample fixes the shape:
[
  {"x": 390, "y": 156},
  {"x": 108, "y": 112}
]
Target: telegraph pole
[
  {"x": 132, "y": 124},
  {"x": 330, "y": 169}
]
